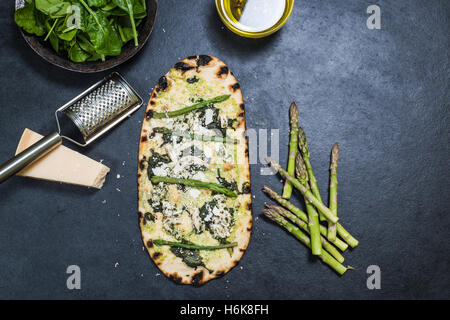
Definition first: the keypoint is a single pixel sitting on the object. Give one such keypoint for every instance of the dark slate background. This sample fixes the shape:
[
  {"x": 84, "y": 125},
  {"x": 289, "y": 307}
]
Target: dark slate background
[{"x": 382, "y": 94}]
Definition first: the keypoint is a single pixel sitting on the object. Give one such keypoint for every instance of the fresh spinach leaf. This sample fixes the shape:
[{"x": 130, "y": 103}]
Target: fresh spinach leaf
[
  {"x": 67, "y": 36},
  {"x": 103, "y": 35},
  {"x": 53, "y": 8},
  {"x": 87, "y": 46},
  {"x": 27, "y": 19},
  {"x": 126, "y": 31},
  {"x": 97, "y": 3},
  {"x": 84, "y": 30},
  {"x": 126, "y": 34},
  {"x": 76, "y": 54},
  {"x": 51, "y": 36},
  {"x": 127, "y": 5}
]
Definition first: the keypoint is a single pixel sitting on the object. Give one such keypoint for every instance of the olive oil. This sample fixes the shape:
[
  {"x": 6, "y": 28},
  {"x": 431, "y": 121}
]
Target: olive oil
[
  {"x": 254, "y": 15},
  {"x": 254, "y": 18}
]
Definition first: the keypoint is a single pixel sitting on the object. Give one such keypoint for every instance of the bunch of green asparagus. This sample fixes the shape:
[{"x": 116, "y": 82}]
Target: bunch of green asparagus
[{"x": 322, "y": 239}]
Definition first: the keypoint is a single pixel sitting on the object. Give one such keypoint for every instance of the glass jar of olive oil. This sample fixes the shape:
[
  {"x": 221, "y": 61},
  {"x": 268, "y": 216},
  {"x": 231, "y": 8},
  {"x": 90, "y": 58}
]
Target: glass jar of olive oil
[{"x": 254, "y": 18}]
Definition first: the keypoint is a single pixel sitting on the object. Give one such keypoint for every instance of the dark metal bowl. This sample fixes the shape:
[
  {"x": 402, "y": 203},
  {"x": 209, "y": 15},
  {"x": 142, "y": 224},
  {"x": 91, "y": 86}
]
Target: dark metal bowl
[{"x": 45, "y": 50}]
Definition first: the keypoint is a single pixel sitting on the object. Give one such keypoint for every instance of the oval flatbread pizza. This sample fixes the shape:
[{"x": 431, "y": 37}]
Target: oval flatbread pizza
[{"x": 194, "y": 176}]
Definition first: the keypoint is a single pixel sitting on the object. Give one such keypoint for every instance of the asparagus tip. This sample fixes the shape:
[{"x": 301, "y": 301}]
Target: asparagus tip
[
  {"x": 293, "y": 110},
  {"x": 272, "y": 215},
  {"x": 334, "y": 158},
  {"x": 281, "y": 211},
  {"x": 301, "y": 132},
  {"x": 266, "y": 189},
  {"x": 271, "y": 206},
  {"x": 335, "y": 151},
  {"x": 273, "y": 164},
  {"x": 301, "y": 169},
  {"x": 302, "y": 142},
  {"x": 298, "y": 159}
]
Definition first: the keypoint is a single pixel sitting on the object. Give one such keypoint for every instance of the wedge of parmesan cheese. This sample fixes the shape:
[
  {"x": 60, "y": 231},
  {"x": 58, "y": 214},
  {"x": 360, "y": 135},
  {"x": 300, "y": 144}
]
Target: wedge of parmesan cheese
[{"x": 62, "y": 165}]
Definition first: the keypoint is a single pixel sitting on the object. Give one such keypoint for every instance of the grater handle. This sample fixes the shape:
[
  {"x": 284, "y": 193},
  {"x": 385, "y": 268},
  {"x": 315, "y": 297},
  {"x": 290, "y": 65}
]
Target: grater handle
[{"x": 29, "y": 155}]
